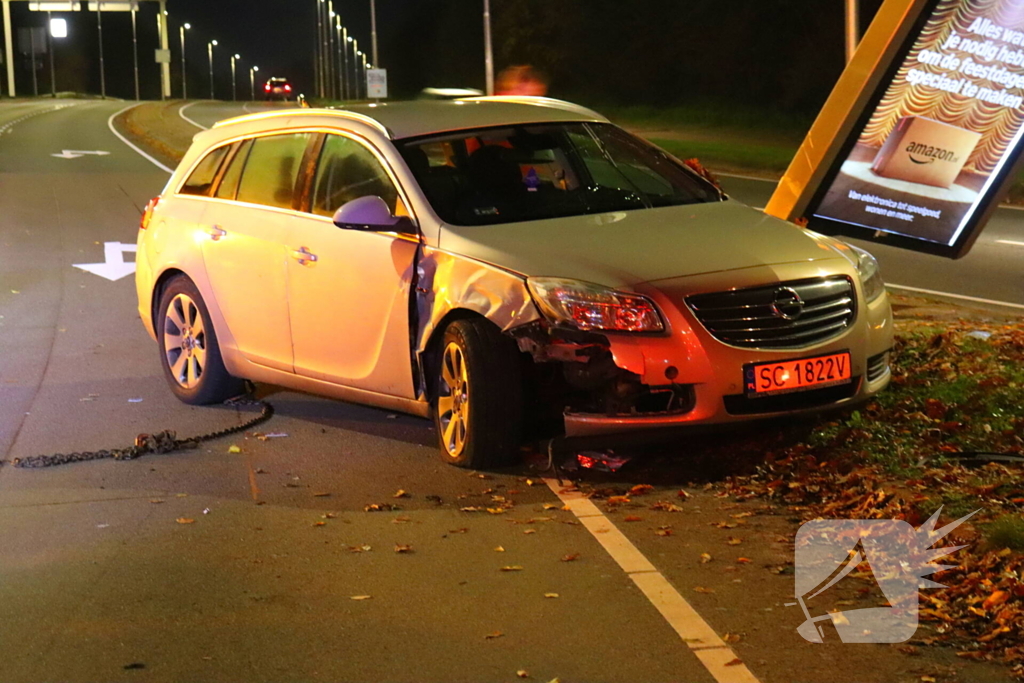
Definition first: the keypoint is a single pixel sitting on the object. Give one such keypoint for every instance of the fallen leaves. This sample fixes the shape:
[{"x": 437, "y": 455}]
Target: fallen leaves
[
  {"x": 402, "y": 493},
  {"x": 665, "y": 506},
  {"x": 570, "y": 558},
  {"x": 705, "y": 558},
  {"x": 551, "y": 595},
  {"x": 632, "y": 518},
  {"x": 185, "y": 520},
  {"x": 703, "y": 590},
  {"x": 492, "y": 636},
  {"x": 360, "y": 597},
  {"x": 403, "y": 548},
  {"x": 512, "y": 568}
]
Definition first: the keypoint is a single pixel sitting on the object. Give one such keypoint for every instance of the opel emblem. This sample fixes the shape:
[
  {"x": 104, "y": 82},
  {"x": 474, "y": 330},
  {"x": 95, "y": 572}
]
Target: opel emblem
[{"x": 787, "y": 304}]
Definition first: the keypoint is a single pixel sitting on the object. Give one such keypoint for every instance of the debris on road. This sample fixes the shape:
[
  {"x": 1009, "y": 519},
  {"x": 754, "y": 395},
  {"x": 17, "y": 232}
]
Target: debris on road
[
  {"x": 571, "y": 558},
  {"x": 271, "y": 435},
  {"x": 551, "y": 595},
  {"x": 402, "y": 493},
  {"x": 359, "y": 548},
  {"x": 402, "y": 548},
  {"x": 234, "y": 449},
  {"x": 135, "y": 400},
  {"x": 512, "y": 568},
  {"x": 381, "y": 507},
  {"x": 360, "y": 597},
  {"x": 185, "y": 520},
  {"x": 492, "y": 636},
  {"x": 601, "y": 461}
]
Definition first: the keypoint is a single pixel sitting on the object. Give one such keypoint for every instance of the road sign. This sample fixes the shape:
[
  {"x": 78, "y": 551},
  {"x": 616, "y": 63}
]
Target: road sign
[
  {"x": 54, "y": 6},
  {"x": 76, "y": 153},
  {"x": 920, "y": 139},
  {"x": 114, "y": 6},
  {"x": 115, "y": 267},
  {"x": 377, "y": 83}
]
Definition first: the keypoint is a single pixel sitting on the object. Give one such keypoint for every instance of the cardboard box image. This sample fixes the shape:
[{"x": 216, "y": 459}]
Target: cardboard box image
[{"x": 921, "y": 150}]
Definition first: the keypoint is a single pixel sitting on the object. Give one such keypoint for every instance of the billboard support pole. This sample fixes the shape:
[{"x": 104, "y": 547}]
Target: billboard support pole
[
  {"x": 9, "y": 48},
  {"x": 837, "y": 118},
  {"x": 165, "y": 67}
]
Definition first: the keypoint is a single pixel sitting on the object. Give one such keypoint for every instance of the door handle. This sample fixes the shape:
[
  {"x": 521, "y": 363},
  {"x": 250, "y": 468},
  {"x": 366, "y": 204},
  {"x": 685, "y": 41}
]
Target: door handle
[
  {"x": 216, "y": 232},
  {"x": 304, "y": 256}
]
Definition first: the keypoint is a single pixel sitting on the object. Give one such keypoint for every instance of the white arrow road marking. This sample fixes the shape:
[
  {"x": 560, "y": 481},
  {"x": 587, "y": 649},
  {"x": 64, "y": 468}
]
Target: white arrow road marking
[
  {"x": 75, "y": 153},
  {"x": 115, "y": 267}
]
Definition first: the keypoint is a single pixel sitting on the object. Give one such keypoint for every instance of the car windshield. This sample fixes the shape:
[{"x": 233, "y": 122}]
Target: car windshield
[{"x": 531, "y": 172}]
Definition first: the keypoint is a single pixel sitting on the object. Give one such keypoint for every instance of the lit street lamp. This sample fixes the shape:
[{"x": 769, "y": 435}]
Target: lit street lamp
[
  {"x": 233, "y": 95},
  {"x": 184, "y": 87},
  {"x": 58, "y": 29},
  {"x": 252, "y": 82},
  {"x": 209, "y": 50},
  {"x": 344, "y": 62}
]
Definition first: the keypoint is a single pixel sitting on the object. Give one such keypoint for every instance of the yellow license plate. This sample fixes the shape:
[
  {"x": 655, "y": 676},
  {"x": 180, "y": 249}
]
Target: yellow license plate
[{"x": 767, "y": 379}]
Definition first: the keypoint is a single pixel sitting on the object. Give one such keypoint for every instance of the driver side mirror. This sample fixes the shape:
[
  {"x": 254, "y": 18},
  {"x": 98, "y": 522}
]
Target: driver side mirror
[{"x": 371, "y": 213}]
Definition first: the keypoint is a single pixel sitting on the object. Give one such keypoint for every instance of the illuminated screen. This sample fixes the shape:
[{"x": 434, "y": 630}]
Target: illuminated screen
[{"x": 941, "y": 133}]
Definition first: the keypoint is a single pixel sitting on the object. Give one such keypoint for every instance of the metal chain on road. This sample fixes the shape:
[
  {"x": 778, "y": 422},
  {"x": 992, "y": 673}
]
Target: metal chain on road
[{"x": 161, "y": 442}]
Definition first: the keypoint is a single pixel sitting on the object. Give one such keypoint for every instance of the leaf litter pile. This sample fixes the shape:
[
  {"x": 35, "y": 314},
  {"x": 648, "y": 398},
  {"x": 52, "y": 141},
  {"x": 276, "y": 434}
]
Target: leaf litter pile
[{"x": 957, "y": 396}]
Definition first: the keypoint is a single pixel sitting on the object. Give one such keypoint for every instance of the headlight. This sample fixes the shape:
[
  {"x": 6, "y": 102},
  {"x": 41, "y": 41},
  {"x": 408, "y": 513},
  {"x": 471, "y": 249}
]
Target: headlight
[
  {"x": 586, "y": 306},
  {"x": 870, "y": 277}
]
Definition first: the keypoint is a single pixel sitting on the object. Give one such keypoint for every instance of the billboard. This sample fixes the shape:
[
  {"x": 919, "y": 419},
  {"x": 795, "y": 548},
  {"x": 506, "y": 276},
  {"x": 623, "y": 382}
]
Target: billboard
[{"x": 940, "y": 136}]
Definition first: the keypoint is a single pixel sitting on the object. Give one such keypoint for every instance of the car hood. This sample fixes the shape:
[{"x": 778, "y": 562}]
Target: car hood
[{"x": 628, "y": 248}]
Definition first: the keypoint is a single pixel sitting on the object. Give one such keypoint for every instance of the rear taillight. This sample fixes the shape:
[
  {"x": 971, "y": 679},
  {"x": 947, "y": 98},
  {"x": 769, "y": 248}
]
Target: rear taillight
[
  {"x": 288, "y": 88},
  {"x": 147, "y": 215},
  {"x": 267, "y": 87}
]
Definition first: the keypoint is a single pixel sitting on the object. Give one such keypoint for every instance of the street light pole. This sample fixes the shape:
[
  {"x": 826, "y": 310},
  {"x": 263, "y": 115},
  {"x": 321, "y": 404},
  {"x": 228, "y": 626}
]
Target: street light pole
[
  {"x": 852, "y": 28},
  {"x": 373, "y": 30},
  {"x": 488, "y": 51},
  {"x": 49, "y": 44},
  {"x": 341, "y": 73},
  {"x": 135, "y": 53},
  {"x": 355, "y": 65},
  {"x": 165, "y": 65},
  {"x": 8, "y": 47},
  {"x": 329, "y": 45},
  {"x": 344, "y": 61},
  {"x": 103, "y": 73},
  {"x": 209, "y": 50},
  {"x": 184, "y": 78},
  {"x": 320, "y": 48},
  {"x": 234, "y": 96},
  {"x": 252, "y": 82}
]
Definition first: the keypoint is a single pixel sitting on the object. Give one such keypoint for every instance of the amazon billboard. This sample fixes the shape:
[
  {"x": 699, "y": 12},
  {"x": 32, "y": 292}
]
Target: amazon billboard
[{"x": 936, "y": 138}]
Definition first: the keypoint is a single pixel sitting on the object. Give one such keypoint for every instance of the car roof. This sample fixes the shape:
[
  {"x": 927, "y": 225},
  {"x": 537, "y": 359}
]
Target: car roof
[{"x": 425, "y": 117}]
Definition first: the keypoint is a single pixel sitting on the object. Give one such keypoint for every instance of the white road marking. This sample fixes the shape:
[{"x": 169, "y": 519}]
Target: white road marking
[
  {"x": 9, "y": 126},
  {"x": 702, "y": 640},
  {"x": 1016, "y": 244},
  {"x": 115, "y": 266},
  {"x": 78, "y": 153},
  {"x": 961, "y": 297},
  {"x": 181, "y": 113},
  {"x": 110, "y": 124}
]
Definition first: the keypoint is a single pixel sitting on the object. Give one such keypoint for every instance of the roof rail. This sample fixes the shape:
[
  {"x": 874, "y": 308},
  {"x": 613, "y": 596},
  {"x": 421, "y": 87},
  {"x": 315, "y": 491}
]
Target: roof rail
[
  {"x": 283, "y": 113},
  {"x": 539, "y": 101}
]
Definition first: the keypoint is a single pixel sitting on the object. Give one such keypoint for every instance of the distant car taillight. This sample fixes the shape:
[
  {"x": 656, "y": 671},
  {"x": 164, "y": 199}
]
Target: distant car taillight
[
  {"x": 147, "y": 215},
  {"x": 267, "y": 87},
  {"x": 287, "y": 88}
]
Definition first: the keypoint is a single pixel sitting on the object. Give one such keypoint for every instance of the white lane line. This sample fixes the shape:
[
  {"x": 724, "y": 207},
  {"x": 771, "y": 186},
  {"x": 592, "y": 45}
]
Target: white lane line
[
  {"x": 745, "y": 177},
  {"x": 181, "y": 113},
  {"x": 696, "y": 633},
  {"x": 961, "y": 297},
  {"x": 110, "y": 124},
  {"x": 1016, "y": 244}
]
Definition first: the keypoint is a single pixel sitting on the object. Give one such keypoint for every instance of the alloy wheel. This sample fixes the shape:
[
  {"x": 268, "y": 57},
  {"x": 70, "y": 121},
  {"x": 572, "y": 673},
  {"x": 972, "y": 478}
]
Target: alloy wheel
[
  {"x": 185, "y": 341},
  {"x": 453, "y": 400}
]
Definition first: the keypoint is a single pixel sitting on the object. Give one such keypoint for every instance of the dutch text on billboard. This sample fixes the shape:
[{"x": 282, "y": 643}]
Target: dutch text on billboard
[{"x": 947, "y": 124}]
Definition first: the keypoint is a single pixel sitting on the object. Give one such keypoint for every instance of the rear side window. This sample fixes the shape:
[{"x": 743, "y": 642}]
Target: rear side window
[
  {"x": 347, "y": 170},
  {"x": 229, "y": 182},
  {"x": 201, "y": 179},
  {"x": 271, "y": 170}
]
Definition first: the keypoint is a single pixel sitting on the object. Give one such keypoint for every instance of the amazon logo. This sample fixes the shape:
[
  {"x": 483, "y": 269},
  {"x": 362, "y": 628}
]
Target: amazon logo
[{"x": 926, "y": 154}]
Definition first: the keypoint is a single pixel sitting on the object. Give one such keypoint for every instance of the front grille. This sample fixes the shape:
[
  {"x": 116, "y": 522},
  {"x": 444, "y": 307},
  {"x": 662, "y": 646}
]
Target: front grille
[
  {"x": 756, "y": 318},
  {"x": 877, "y": 366}
]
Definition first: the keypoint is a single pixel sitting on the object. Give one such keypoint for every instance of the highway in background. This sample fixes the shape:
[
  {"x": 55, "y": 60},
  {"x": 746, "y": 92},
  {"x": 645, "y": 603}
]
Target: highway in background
[{"x": 262, "y": 563}]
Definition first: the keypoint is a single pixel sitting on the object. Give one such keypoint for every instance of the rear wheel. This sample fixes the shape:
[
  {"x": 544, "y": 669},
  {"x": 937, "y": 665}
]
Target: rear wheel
[
  {"x": 478, "y": 408},
  {"x": 189, "y": 352}
]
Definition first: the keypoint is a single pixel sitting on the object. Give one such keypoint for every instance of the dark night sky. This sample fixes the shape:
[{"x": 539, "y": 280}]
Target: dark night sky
[{"x": 784, "y": 54}]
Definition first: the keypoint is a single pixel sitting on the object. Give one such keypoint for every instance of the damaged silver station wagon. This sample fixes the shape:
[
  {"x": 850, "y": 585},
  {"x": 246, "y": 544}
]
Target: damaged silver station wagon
[{"x": 512, "y": 267}]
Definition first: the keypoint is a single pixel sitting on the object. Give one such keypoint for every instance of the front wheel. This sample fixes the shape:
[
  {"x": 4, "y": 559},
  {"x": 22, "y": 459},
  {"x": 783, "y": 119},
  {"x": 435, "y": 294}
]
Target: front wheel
[
  {"x": 478, "y": 407},
  {"x": 189, "y": 352}
]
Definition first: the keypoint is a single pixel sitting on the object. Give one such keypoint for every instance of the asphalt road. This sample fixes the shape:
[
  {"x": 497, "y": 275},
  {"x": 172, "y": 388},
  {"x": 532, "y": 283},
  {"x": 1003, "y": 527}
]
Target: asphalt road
[{"x": 218, "y": 565}]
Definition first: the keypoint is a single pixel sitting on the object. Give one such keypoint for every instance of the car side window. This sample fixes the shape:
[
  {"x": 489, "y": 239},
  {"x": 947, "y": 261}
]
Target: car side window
[
  {"x": 228, "y": 186},
  {"x": 201, "y": 179},
  {"x": 347, "y": 170},
  {"x": 270, "y": 172}
]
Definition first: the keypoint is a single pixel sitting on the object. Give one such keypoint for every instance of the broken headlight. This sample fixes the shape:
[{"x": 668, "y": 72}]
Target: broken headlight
[{"x": 587, "y": 306}]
